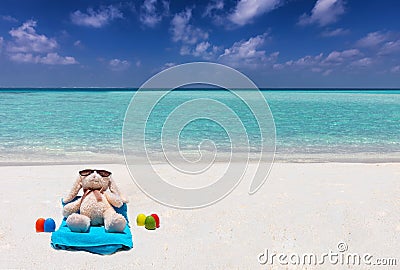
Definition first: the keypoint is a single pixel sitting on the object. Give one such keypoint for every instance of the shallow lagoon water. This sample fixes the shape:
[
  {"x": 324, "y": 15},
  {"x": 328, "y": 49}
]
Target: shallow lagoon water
[{"x": 75, "y": 125}]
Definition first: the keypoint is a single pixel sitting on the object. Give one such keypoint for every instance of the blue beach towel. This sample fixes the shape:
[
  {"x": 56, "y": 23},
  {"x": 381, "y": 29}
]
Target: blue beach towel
[{"x": 96, "y": 240}]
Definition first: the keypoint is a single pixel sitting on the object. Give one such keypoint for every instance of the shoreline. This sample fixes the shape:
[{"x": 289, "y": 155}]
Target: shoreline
[
  {"x": 356, "y": 158},
  {"x": 127, "y": 88},
  {"x": 43, "y": 164}
]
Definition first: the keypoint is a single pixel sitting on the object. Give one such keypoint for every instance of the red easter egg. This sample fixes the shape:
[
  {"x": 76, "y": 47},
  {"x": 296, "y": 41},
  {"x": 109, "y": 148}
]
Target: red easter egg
[
  {"x": 157, "y": 219},
  {"x": 40, "y": 225}
]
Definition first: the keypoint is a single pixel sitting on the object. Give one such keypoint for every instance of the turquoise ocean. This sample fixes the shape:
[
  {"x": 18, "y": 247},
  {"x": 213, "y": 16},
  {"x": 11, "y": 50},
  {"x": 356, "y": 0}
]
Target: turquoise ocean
[{"x": 85, "y": 125}]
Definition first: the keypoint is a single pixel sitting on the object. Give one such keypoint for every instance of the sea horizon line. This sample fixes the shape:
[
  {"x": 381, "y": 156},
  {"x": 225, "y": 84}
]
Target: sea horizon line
[{"x": 111, "y": 88}]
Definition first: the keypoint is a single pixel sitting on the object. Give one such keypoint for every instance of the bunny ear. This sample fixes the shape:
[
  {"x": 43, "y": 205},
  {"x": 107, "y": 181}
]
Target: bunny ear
[
  {"x": 114, "y": 189},
  {"x": 74, "y": 191}
]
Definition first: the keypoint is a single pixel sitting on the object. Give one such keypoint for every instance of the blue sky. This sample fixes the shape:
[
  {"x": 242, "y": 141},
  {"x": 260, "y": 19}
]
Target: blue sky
[{"x": 277, "y": 43}]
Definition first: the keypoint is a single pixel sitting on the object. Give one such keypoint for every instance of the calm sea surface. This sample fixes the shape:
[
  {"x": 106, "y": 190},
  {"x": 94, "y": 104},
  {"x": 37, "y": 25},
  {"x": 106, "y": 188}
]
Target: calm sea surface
[{"x": 72, "y": 125}]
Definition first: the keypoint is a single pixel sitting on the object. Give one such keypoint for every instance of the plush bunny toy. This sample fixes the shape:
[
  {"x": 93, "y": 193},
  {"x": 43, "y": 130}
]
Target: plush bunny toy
[{"x": 100, "y": 193}]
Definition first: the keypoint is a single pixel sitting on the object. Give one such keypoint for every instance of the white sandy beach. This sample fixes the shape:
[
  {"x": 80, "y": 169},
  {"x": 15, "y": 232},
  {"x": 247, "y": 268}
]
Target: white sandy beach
[{"x": 302, "y": 208}]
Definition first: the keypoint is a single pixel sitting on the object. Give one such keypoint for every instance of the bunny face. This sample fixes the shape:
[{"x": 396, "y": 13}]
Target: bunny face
[
  {"x": 95, "y": 181},
  {"x": 101, "y": 180}
]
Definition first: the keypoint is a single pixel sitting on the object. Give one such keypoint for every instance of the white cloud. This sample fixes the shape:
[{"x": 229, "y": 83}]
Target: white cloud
[
  {"x": 384, "y": 42},
  {"x": 306, "y": 61},
  {"x": 27, "y": 46},
  {"x": 212, "y": 7},
  {"x": 395, "y": 69},
  {"x": 185, "y": 50},
  {"x": 246, "y": 10},
  {"x": 78, "y": 44},
  {"x": 119, "y": 65},
  {"x": 336, "y": 56},
  {"x": 390, "y": 47},
  {"x": 248, "y": 53},
  {"x": 96, "y": 19},
  {"x": 322, "y": 71},
  {"x": 49, "y": 59},
  {"x": 8, "y": 18},
  {"x": 363, "y": 62},
  {"x": 169, "y": 64},
  {"x": 138, "y": 63},
  {"x": 165, "y": 66},
  {"x": 1, "y": 43},
  {"x": 149, "y": 15},
  {"x": 278, "y": 66},
  {"x": 203, "y": 50},
  {"x": 183, "y": 31},
  {"x": 373, "y": 39},
  {"x": 194, "y": 41},
  {"x": 335, "y": 33},
  {"x": 55, "y": 59},
  {"x": 327, "y": 64},
  {"x": 327, "y": 72},
  {"x": 324, "y": 12},
  {"x": 25, "y": 39},
  {"x": 24, "y": 58}
]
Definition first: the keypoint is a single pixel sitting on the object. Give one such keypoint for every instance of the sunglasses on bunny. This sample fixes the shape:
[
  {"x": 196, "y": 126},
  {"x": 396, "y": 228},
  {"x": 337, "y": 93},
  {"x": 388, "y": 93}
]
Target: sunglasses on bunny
[{"x": 102, "y": 173}]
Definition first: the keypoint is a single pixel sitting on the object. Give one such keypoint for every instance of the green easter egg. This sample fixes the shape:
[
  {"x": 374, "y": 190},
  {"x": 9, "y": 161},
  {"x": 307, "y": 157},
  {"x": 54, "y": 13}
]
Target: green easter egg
[{"x": 150, "y": 223}]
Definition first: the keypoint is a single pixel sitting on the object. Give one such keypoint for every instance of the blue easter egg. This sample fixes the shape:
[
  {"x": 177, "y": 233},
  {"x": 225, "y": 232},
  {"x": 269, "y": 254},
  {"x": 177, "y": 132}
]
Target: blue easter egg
[{"x": 49, "y": 225}]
